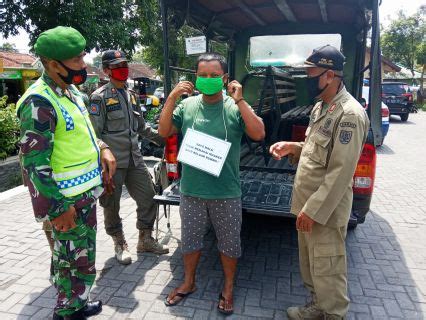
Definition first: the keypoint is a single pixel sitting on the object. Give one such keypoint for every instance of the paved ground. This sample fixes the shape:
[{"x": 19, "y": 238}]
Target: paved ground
[{"x": 387, "y": 256}]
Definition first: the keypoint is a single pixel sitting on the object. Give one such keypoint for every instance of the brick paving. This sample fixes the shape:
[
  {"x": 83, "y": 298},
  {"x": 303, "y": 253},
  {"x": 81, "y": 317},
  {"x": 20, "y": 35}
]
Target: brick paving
[{"x": 386, "y": 255}]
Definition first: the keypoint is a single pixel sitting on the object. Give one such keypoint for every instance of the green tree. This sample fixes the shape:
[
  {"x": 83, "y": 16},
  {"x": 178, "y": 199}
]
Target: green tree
[
  {"x": 421, "y": 61},
  {"x": 8, "y": 47},
  {"x": 402, "y": 39},
  {"x": 105, "y": 24},
  {"x": 97, "y": 61},
  {"x": 151, "y": 39},
  {"x": 9, "y": 128}
]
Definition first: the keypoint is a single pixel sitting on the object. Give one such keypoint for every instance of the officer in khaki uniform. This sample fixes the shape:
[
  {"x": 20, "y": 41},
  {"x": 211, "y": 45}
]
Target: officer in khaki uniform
[
  {"x": 322, "y": 194},
  {"x": 116, "y": 115}
]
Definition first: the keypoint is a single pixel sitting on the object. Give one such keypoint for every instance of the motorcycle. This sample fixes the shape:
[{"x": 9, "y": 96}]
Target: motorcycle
[{"x": 151, "y": 108}]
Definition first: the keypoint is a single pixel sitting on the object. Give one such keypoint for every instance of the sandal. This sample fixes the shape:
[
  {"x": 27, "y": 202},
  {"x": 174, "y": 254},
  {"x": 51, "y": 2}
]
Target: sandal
[
  {"x": 229, "y": 303},
  {"x": 175, "y": 294}
]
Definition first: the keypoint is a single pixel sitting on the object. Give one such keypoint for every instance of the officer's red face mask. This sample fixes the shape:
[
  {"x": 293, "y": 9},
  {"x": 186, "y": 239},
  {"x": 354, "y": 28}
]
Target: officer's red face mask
[{"x": 120, "y": 74}]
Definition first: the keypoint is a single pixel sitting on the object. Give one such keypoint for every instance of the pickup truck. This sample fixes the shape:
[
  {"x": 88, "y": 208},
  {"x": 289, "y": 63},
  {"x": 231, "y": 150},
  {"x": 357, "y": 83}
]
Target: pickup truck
[{"x": 266, "y": 43}]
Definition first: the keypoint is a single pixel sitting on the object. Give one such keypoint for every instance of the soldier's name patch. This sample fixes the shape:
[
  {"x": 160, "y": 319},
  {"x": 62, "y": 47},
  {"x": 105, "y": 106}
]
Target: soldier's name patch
[
  {"x": 95, "y": 108},
  {"x": 114, "y": 107},
  {"x": 345, "y": 136},
  {"x": 347, "y": 124}
]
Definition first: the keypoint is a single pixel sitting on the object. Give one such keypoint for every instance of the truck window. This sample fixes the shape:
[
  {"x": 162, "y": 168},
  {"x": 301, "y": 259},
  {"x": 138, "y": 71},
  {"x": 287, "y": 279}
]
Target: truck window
[{"x": 287, "y": 50}]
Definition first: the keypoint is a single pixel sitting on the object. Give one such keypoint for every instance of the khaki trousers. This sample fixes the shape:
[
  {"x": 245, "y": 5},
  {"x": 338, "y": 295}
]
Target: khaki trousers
[
  {"x": 138, "y": 182},
  {"x": 322, "y": 256}
]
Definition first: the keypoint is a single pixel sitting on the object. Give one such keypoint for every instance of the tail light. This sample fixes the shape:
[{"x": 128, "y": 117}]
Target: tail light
[
  {"x": 385, "y": 112},
  {"x": 365, "y": 171},
  {"x": 171, "y": 154},
  {"x": 409, "y": 96}
]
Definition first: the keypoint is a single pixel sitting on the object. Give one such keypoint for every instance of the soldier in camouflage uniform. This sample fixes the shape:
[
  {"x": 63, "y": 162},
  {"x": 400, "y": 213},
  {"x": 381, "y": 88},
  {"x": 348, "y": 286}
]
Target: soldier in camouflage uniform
[{"x": 56, "y": 135}]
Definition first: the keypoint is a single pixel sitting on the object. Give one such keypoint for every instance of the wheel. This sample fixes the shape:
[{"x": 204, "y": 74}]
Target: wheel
[{"x": 404, "y": 117}]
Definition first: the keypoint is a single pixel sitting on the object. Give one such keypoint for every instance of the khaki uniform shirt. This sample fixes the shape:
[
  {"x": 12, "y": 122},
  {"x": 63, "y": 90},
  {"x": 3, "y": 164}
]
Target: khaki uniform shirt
[
  {"x": 329, "y": 156},
  {"x": 117, "y": 118}
]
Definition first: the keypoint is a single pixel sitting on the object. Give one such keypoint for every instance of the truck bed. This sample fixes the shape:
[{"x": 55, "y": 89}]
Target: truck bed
[
  {"x": 266, "y": 188},
  {"x": 266, "y": 183}
]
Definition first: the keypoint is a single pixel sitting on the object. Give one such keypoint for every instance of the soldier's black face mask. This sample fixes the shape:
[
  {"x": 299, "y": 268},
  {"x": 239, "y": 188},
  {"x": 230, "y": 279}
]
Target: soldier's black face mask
[
  {"x": 76, "y": 77},
  {"x": 312, "y": 83}
]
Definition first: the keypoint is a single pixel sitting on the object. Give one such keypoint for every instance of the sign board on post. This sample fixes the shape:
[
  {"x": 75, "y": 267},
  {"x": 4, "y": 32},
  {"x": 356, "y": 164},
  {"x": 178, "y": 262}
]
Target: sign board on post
[
  {"x": 12, "y": 75},
  {"x": 196, "y": 45}
]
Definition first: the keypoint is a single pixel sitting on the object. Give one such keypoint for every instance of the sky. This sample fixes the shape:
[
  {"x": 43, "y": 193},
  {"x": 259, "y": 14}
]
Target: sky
[{"x": 388, "y": 12}]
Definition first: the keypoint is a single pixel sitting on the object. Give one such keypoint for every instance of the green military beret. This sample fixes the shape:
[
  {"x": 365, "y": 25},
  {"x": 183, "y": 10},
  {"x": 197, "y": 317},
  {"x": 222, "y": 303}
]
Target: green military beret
[{"x": 60, "y": 43}]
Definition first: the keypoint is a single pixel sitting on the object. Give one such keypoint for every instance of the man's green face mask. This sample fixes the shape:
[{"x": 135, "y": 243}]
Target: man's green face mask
[{"x": 209, "y": 86}]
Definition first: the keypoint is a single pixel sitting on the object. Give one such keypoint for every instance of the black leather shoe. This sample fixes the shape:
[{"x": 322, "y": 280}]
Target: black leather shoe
[
  {"x": 92, "y": 308},
  {"x": 79, "y": 315},
  {"x": 57, "y": 317}
]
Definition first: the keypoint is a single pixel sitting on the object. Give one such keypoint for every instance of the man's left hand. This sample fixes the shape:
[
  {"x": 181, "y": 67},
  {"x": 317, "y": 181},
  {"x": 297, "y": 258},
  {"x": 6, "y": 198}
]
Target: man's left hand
[
  {"x": 235, "y": 90},
  {"x": 304, "y": 223},
  {"x": 108, "y": 163}
]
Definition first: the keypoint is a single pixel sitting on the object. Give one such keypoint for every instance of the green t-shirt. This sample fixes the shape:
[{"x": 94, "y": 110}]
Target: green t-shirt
[{"x": 209, "y": 120}]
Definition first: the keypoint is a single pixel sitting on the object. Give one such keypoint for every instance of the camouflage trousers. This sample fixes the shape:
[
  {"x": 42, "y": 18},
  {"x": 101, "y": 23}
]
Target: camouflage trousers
[{"x": 74, "y": 262}]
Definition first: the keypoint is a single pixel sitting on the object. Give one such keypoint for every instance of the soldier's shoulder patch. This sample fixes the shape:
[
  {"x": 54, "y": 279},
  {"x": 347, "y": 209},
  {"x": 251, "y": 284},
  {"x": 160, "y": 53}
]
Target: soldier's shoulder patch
[
  {"x": 347, "y": 124},
  {"x": 345, "y": 136},
  {"x": 95, "y": 108}
]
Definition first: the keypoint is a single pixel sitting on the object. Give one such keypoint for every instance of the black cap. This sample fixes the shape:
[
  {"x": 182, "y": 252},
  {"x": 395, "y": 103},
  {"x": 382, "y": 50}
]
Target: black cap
[
  {"x": 327, "y": 57},
  {"x": 113, "y": 57}
]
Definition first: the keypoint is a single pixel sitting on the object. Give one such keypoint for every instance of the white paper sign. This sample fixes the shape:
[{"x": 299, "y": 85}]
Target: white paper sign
[
  {"x": 196, "y": 45},
  {"x": 203, "y": 152}
]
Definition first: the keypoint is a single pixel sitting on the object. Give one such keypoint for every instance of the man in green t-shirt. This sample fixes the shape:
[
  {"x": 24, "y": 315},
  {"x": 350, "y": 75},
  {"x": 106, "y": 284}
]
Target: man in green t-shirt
[{"x": 209, "y": 196}]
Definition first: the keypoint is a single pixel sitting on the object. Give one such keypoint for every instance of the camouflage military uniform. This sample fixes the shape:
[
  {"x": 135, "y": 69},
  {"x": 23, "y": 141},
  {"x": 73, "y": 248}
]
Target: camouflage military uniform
[{"x": 74, "y": 250}]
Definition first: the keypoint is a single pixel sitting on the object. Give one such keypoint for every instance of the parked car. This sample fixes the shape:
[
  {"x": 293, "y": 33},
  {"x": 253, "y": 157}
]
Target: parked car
[
  {"x": 398, "y": 97},
  {"x": 385, "y": 113}
]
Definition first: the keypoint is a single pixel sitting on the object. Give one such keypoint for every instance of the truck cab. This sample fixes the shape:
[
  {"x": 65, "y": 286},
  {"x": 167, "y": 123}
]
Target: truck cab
[{"x": 267, "y": 42}]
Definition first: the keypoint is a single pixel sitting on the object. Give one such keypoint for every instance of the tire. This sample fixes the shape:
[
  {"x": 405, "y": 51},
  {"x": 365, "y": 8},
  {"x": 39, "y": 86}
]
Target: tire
[{"x": 404, "y": 117}]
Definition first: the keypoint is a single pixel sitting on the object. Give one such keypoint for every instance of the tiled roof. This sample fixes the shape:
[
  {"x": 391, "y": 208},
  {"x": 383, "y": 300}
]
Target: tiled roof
[{"x": 16, "y": 59}]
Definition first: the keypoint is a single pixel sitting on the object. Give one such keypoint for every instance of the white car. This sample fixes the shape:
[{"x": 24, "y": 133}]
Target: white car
[{"x": 385, "y": 113}]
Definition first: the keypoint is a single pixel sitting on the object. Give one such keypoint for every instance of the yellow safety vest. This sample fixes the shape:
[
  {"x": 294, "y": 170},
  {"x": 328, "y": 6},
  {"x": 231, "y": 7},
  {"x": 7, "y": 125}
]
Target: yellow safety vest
[{"x": 75, "y": 159}]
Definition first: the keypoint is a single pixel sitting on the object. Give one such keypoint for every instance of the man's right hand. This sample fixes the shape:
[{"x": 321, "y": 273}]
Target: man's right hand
[
  {"x": 65, "y": 221},
  {"x": 282, "y": 149},
  {"x": 183, "y": 87}
]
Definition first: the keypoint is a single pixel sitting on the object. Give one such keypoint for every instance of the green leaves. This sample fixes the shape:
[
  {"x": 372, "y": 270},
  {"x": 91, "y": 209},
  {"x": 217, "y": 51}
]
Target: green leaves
[
  {"x": 403, "y": 39},
  {"x": 9, "y": 128},
  {"x": 106, "y": 24}
]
